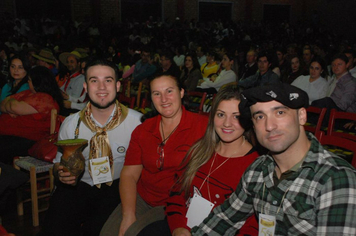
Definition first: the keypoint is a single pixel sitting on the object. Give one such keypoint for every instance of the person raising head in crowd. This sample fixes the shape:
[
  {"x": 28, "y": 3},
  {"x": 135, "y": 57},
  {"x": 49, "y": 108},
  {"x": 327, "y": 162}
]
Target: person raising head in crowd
[
  {"x": 190, "y": 75},
  {"x": 26, "y": 115},
  {"x": 19, "y": 66},
  {"x": 215, "y": 82},
  {"x": 157, "y": 148},
  {"x": 211, "y": 169},
  {"x": 315, "y": 84},
  {"x": 298, "y": 188}
]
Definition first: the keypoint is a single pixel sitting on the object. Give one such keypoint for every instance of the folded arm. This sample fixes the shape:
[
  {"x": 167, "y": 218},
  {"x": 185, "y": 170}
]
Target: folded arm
[{"x": 18, "y": 108}]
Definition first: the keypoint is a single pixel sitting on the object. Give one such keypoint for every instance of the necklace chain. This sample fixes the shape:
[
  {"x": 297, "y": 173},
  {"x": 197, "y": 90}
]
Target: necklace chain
[
  {"x": 212, "y": 171},
  {"x": 165, "y": 139}
]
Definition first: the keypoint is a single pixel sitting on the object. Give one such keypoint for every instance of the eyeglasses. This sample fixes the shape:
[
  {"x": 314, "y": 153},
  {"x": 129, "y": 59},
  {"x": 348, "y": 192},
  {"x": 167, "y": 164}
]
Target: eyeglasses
[{"x": 160, "y": 160}]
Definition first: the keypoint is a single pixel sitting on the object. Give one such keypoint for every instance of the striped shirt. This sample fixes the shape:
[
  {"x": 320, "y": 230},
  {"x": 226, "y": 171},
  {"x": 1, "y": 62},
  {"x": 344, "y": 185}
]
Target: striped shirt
[{"x": 318, "y": 199}]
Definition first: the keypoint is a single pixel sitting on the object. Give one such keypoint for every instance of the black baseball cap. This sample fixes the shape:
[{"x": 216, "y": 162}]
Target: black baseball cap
[{"x": 286, "y": 94}]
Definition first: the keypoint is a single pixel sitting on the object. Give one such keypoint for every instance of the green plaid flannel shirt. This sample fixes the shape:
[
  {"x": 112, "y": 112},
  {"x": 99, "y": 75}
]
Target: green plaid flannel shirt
[{"x": 320, "y": 198}]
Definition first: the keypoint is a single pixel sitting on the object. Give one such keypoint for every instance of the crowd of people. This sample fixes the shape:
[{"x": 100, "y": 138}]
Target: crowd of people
[{"x": 166, "y": 164}]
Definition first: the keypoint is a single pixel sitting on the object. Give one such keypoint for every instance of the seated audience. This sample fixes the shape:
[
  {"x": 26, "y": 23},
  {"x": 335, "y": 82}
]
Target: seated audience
[
  {"x": 144, "y": 68},
  {"x": 295, "y": 69},
  {"x": 351, "y": 66},
  {"x": 264, "y": 76},
  {"x": 307, "y": 57},
  {"x": 157, "y": 148},
  {"x": 26, "y": 115},
  {"x": 314, "y": 84},
  {"x": 212, "y": 169},
  {"x": 179, "y": 57},
  {"x": 342, "y": 87},
  {"x": 4, "y": 65},
  {"x": 45, "y": 58},
  {"x": 250, "y": 67},
  {"x": 215, "y": 82},
  {"x": 200, "y": 51},
  {"x": 72, "y": 90},
  {"x": 168, "y": 66},
  {"x": 18, "y": 69},
  {"x": 210, "y": 66},
  {"x": 190, "y": 75},
  {"x": 282, "y": 62}
]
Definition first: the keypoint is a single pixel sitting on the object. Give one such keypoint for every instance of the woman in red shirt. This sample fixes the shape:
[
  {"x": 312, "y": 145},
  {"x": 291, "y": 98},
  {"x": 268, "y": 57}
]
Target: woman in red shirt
[
  {"x": 26, "y": 116},
  {"x": 157, "y": 147}
]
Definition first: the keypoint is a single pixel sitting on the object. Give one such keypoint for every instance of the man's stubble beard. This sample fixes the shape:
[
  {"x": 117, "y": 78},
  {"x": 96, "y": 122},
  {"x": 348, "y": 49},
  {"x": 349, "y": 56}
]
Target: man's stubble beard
[{"x": 97, "y": 105}]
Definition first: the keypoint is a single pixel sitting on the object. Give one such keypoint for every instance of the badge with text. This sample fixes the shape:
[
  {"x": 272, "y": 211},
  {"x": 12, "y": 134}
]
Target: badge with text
[
  {"x": 100, "y": 170},
  {"x": 198, "y": 210},
  {"x": 266, "y": 225}
]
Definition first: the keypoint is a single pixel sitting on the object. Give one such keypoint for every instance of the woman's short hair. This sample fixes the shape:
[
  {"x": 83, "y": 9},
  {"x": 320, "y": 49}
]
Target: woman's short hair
[{"x": 322, "y": 63}]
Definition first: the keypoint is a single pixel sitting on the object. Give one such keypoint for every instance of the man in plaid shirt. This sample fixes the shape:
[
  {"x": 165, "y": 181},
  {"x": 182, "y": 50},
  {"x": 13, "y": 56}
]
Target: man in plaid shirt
[{"x": 298, "y": 188}]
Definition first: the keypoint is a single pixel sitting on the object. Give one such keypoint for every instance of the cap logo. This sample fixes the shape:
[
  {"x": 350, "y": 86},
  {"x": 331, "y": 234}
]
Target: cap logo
[
  {"x": 293, "y": 96},
  {"x": 271, "y": 94}
]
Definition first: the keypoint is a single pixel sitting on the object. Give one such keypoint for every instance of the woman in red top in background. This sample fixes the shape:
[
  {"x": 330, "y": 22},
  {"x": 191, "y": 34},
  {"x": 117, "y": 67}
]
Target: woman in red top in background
[
  {"x": 214, "y": 166},
  {"x": 26, "y": 116}
]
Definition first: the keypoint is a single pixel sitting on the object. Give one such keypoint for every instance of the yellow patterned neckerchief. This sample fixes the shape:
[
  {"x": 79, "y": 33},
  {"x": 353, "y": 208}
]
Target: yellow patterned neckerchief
[{"x": 100, "y": 141}]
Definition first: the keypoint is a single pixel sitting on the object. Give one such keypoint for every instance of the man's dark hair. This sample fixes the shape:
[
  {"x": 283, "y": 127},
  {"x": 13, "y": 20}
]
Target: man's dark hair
[
  {"x": 265, "y": 54},
  {"x": 213, "y": 54},
  {"x": 167, "y": 55},
  {"x": 341, "y": 56},
  {"x": 281, "y": 49},
  {"x": 202, "y": 48},
  {"x": 310, "y": 49},
  {"x": 101, "y": 62},
  {"x": 350, "y": 51},
  {"x": 147, "y": 49}
]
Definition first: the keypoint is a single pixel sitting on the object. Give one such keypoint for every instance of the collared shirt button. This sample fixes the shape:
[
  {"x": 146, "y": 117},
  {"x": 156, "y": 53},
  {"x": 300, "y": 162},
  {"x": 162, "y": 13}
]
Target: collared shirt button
[{"x": 274, "y": 202}]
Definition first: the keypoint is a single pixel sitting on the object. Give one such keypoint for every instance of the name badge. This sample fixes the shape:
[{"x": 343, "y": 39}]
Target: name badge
[
  {"x": 100, "y": 170},
  {"x": 198, "y": 210},
  {"x": 267, "y": 225}
]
